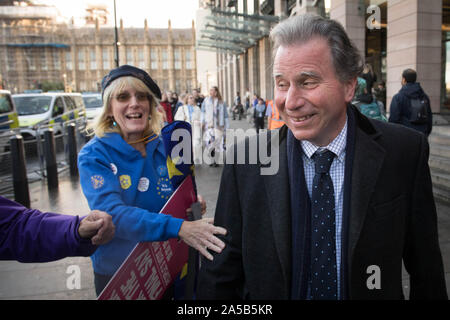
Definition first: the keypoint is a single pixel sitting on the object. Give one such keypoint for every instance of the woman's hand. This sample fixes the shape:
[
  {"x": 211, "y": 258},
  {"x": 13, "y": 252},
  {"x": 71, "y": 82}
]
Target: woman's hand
[
  {"x": 202, "y": 203},
  {"x": 200, "y": 235}
]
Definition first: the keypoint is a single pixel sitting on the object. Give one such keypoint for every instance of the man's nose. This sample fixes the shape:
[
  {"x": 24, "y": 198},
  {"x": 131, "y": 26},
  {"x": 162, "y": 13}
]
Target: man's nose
[{"x": 294, "y": 98}]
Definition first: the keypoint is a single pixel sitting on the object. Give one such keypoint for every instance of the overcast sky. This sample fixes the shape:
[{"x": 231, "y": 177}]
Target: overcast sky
[{"x": 133, "y": 12}]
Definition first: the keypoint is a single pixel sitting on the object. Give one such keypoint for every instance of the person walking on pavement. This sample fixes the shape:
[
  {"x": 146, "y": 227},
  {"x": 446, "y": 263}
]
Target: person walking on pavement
[
  {"x": 215, "y": 121},
  {"x": 124, "y": 171},
  {"x": 191, "y": 113},
  {"x": 273, "y": 116},
  {"x": 352, "y": 200},
  {"x": 29, "y": 235},
  {"x": 237, "y": 107},
  {"x": 167, "y": 107},
  {"x": 259, "y": 114},
  {"x": 411, "y": 105}
]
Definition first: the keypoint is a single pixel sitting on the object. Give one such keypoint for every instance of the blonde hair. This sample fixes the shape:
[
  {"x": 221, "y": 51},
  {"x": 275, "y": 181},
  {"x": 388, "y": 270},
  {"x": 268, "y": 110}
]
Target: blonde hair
[{"x": 102, "y": 124}]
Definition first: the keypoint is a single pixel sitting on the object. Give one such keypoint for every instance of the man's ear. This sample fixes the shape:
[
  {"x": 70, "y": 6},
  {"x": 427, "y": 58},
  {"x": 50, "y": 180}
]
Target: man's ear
[{"x": 349, "y": 88}]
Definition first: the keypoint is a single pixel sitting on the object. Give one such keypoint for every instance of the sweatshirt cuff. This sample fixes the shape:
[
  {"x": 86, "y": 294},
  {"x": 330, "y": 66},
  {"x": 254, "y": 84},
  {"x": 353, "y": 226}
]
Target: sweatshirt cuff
[
  {"x": 85, "y": 246},
  {"x": 174, "y": 226}
]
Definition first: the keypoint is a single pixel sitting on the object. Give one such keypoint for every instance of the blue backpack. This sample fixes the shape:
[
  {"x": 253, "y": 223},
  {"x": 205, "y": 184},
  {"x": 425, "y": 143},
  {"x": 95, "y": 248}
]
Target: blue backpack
[{"x": 371, "y": 110}]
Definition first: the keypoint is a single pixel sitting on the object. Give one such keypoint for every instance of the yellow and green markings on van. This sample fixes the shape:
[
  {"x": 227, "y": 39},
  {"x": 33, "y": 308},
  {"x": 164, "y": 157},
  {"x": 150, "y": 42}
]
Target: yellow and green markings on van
[{"x": 15, "y": 120}]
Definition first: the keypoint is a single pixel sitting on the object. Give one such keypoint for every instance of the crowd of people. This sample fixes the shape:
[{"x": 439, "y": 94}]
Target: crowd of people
[{"x": 335, "y": 207}]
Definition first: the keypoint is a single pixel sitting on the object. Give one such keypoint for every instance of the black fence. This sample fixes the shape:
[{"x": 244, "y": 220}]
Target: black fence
[{"x": 43, "y": 156}]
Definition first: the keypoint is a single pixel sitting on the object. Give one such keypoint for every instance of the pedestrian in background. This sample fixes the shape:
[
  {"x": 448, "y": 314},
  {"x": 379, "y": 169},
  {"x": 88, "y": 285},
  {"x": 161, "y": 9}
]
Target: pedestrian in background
[
  {"x": 123, "y": 171},
  {"x": 198, "y": 98},
  {"x": 259, "y": 114},
  {"x": 411, "y": 105},
  {"x": 214, "y": 121},
  {"x": 29, "y": 235},
  {"x": 167, "y": 107},
  {"x": 191, "y": 113}
]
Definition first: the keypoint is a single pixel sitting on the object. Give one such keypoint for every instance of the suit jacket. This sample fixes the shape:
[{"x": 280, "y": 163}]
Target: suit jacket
[{"x": 392, "y": 218}]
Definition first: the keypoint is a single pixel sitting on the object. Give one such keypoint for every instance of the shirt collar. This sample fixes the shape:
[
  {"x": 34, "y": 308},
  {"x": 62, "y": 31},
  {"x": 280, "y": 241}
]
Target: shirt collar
[{"x": 337, "y": 146}]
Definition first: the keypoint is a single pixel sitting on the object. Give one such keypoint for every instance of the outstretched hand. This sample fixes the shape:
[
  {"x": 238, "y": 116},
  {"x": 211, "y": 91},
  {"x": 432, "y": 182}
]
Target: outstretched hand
[{"x": 200, "y": 234}]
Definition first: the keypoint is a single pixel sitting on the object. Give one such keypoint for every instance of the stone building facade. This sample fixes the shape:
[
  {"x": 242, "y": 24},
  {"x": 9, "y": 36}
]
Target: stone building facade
[{"x": 35, "y": 48}]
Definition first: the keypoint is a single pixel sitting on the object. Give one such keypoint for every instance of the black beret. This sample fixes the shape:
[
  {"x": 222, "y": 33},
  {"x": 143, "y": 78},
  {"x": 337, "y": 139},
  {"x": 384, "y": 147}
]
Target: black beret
[{"x": 127, "y": 70}]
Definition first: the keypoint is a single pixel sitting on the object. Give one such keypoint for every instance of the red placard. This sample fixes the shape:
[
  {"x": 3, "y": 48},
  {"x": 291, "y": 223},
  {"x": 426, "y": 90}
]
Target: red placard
[{"x": 152, "y": 267}]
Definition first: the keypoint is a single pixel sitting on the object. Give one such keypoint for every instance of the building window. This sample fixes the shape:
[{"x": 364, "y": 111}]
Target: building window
[
  {"x": 130, "y": 56},
  {"x": 165, "y": 62},
  {"x": 166, "y": 85},
  {"x": 30, "y": 58},
  {"x": 154, "y": 59},
  {"x": 81, "y": 59},
  {"x": 68, "y": 60},
  {"x": 188, "y": 59},
  {"x": 83, "y": 86},
  {"x": 43, "y": 59},
  {"x": 105, "y": 58},
  {"x": 141, "y": 60},
  {"x": 178, "y": 85},
  {"x": 10, "y": 59},
  {"x": 177, "y": 56},
  {"x": 56, "y": 60},
  {"x": 93, "y": 60}
]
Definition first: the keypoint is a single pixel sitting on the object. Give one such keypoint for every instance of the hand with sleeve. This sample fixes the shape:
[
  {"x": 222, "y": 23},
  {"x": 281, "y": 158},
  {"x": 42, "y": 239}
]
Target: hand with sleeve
[{"x": 97, "y": 226}]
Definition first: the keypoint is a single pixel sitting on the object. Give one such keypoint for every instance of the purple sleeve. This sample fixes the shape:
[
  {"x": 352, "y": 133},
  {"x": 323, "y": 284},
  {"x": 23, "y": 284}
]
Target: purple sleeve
[{"x": 28, "y": 235}]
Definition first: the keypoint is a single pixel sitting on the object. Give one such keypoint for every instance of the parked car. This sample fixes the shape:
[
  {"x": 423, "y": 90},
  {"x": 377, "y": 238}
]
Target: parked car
[
  {"x": 9, "y": 123},
  {"x": 51, "y": 109},
  {"x": 93, "y": 103}
]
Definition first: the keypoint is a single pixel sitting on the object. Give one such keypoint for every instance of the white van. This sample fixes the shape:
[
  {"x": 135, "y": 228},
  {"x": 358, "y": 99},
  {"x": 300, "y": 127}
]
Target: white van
[
  {"x": 38, "y": 110},
  {"x": 93, "y": 103}
]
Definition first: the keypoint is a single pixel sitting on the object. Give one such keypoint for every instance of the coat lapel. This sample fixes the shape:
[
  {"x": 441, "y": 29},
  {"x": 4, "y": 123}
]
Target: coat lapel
[
  {"x": 367, "y": 162},
  {"x": 278, "y": 196}
]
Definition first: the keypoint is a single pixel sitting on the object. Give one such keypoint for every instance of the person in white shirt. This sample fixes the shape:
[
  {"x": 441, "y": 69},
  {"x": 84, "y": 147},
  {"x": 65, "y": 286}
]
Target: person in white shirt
[{"x": 191, "y": 113}]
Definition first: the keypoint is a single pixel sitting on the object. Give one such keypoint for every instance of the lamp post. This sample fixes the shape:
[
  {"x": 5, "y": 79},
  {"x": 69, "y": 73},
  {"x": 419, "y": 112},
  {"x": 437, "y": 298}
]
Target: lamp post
[{"x": 116, "y": 42}]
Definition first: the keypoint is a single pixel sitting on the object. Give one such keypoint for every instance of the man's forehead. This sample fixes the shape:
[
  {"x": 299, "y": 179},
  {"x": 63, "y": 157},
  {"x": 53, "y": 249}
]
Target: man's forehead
[{"x": 308, "y": 58}]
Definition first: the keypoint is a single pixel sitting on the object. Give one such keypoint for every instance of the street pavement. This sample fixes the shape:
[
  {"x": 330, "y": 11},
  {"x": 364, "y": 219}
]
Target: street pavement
[{"x": 33, "y": 281}]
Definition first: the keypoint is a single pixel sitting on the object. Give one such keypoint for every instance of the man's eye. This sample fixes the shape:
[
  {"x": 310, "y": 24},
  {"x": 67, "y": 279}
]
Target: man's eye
[{"x": 309, "y": 84}]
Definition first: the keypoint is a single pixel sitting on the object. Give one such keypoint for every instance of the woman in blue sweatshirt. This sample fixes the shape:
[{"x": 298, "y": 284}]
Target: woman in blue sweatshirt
[{"x": 123, "y": 171}]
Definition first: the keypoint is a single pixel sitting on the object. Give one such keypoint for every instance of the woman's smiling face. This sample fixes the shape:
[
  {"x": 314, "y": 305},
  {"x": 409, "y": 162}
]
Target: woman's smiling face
[{"x": 131, "y": 109}]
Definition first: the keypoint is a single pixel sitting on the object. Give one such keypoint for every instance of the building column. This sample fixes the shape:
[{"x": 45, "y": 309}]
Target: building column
[
  {"x": 351, "y": 14},
  {"x": 414, "y": 38},
  {"x": 170, "y": 57},
  {"x": 265, "y": 69},
  {"x": 280, "y": 8}
]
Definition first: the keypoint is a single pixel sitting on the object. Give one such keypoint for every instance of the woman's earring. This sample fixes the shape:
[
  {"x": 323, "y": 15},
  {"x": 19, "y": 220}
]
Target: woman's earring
[{"x": 114, "y": 123}]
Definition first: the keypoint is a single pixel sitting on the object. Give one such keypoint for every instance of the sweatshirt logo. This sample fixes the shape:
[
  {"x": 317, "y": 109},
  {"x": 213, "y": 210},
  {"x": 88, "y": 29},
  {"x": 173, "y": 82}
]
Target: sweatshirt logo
[
  {"x": 97, "y": 181},
  {"x": 125, "y": 181}
]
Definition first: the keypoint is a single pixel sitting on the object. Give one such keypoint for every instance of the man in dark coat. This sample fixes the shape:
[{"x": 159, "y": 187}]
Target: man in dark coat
[
  {"x": 29, "y": 235},
  {"x": 383, "y": 211},
  {"x": 400, "y": 111}
]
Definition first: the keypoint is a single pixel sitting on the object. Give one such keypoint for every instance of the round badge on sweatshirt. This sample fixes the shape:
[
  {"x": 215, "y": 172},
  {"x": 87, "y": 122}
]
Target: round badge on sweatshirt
[
  {"x": 143, "y": 184},
  {"x": 125, "y": 181},
  {"x": 113, "y": 168}
]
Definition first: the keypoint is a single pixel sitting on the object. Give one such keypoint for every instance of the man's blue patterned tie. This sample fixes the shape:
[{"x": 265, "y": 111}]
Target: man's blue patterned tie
[{"x": 323, "y": 279}]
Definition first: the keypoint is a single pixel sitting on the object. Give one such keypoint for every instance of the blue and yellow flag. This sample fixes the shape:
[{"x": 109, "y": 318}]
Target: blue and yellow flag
[{"x": 177, "y": 138}]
